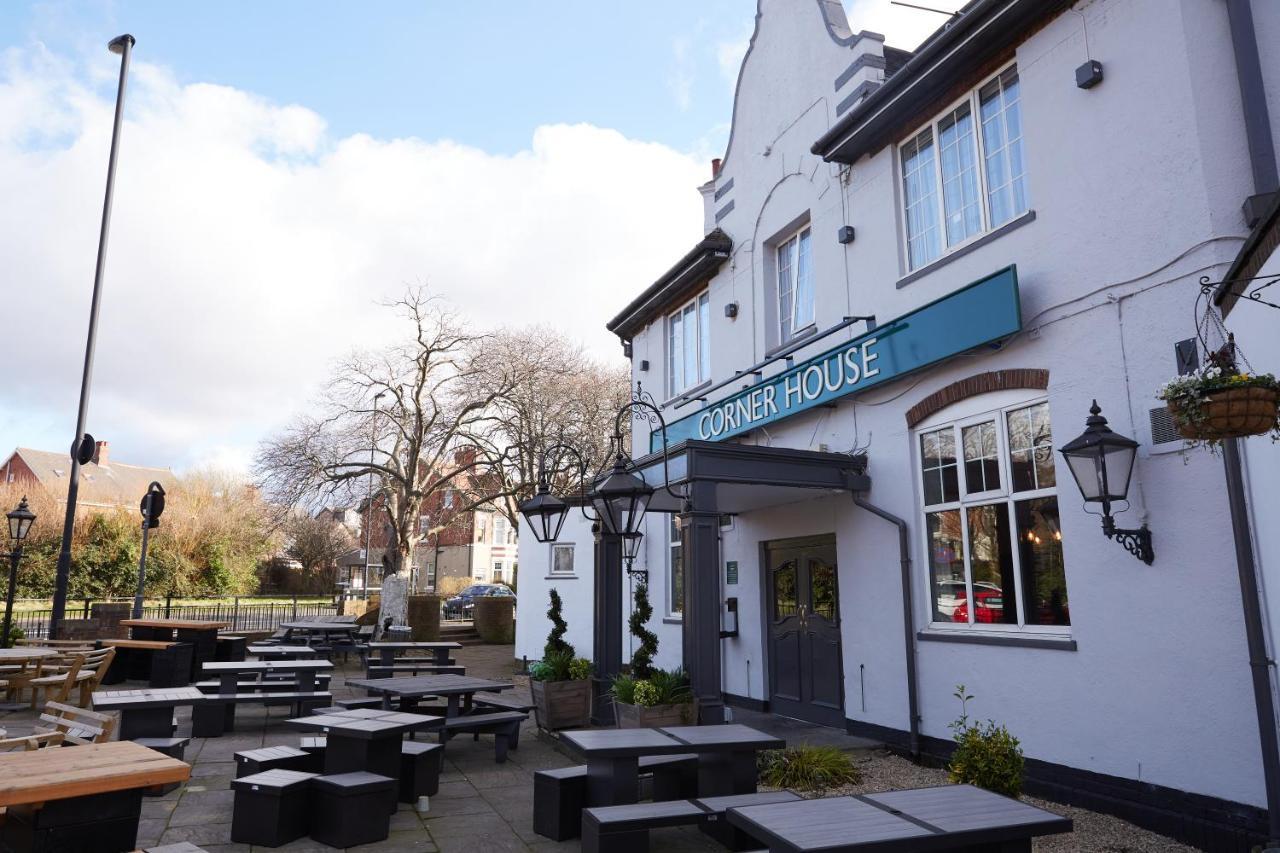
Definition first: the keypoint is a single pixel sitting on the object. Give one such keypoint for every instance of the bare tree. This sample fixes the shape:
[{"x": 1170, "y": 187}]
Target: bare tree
[
  {"x": 414, "y": 443},
  {"x": 316, "y": 543},
  {"x": 544, "y": 390}
]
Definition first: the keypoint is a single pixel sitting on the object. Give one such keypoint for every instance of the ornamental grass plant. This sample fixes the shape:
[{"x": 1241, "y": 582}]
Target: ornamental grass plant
[{"x": 807, "y": 768}]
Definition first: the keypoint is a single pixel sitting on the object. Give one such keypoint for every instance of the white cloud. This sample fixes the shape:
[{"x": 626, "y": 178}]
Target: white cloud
[
  {"x": 729, "y": 57},
  {"x": 249, "y": 247},
  {"x": 680, "y": 77}
]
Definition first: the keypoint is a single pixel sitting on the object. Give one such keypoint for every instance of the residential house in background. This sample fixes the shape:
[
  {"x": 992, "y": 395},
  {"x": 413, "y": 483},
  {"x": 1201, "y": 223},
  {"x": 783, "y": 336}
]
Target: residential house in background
[{"x": 105, "y": 483}]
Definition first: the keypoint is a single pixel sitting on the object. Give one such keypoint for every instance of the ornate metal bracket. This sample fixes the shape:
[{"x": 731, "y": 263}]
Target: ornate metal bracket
[
  {"x": 1136, "y": 542},
  {"x": 1255, "y": 295}
]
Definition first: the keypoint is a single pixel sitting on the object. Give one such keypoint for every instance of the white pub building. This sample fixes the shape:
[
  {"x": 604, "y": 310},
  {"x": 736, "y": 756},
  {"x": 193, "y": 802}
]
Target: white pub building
[{"x": 918, "y": 272}]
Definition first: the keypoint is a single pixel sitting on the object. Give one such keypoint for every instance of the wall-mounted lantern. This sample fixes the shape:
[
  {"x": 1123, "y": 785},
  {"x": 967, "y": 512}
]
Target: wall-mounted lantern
[{"x": 1101, "y": 462}]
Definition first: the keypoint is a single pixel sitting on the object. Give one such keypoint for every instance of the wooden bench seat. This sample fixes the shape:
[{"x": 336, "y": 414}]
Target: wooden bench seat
[
  {"x": 426, "y": 667},
  {"x": 505, "y": 701},
  {"x": 270, "y": 685},
  {"x": 503, "y": 725},
  {"x": 216, "y": 714},
  {"x": 625, "y": 829}
]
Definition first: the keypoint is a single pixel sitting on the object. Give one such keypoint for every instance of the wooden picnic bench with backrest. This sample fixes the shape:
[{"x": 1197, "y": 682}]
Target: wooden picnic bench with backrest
[
  {"x": 76, "y": 725},
  {"x": 31, "y": 741}
]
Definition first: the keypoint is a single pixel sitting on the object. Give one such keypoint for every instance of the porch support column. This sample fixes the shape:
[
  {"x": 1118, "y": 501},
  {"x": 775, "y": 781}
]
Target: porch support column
[
  {"x": 607, "y": 635},
  {"x": 700, "y": 535}
]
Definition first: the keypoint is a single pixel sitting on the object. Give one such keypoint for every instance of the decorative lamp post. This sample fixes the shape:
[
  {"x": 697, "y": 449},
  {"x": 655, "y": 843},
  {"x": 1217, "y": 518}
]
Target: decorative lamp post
[
  {"x": 20, "y": 521},
  {"x": 1101, "y": 462},
  {"x": 619, "y": 501}
]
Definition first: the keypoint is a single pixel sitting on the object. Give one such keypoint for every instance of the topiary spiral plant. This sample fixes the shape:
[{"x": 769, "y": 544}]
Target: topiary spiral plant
[
  {"x": 642, "y": 658},
  {"x": 556, "y": 644}
]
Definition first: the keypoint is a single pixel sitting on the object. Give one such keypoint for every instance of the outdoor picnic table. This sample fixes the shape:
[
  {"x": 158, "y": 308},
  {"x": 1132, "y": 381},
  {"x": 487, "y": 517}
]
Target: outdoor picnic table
[
  {"x": 229, "y": 672},
  {"x": 387, "y": 650},
  {"x": 367, "y": 740},
  {"x": 726, "y": 755},
  {"x": 312, "y": 626},
  {"x": 23, "y": 657},
  {"x": 947, "y": 817},
  {"x": 81, "y": 797},
  {"x": 202, "y": 635},
  {"x": 146, "y": 713},
  {"x": 282, "y": 652},
  {"x": 613, "y": 760},
  {"x": 457, "y": 690}
]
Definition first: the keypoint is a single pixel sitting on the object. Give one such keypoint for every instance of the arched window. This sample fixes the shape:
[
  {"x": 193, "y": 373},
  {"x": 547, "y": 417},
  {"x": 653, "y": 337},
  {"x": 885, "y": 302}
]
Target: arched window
[{"x": 988, "y": 496}]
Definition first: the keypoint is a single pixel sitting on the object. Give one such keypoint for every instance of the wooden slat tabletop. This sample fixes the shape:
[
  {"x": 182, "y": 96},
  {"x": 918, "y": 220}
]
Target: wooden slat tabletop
[
  {"x": 154, "y": 645},
  {"x": 114, "y": 700},
  {"x": 26, "y": 653},
  {"x": 222, "y": 667},
  {"x": 429, "y": 685},
  {"x": 187, "y": 624},
  {"x": 432, "y": 644},
  {"x": 619, "y": 743},
  {"x": 727, "y": 737},
  {"x": 77, "y": 771}
]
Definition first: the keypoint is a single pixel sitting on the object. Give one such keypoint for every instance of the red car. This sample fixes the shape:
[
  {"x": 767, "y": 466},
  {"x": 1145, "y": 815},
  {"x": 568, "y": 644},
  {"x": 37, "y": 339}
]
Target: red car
[{"x": 990, "y": 607}]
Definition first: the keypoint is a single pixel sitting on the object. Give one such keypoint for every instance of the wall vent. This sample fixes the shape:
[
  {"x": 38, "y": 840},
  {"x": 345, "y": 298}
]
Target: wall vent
[{"x": 1163, "y": 429}]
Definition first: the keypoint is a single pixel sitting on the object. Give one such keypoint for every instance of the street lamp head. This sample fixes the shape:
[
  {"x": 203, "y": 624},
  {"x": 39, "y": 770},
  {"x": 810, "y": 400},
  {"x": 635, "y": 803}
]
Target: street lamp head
[
  {"x": 545, "y": 513},
  {"x": 631, "y": 547},
  {"x": 1100, "y": 461},
  {"x": 621, "y": 500},
  {"x": 117, "y": 44},
  {"x": 20, "y": 521}
]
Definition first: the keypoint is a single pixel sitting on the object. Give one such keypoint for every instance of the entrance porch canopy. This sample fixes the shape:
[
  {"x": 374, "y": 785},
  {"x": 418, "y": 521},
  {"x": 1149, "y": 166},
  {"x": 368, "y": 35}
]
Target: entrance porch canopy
[{"x": 718, "y": 478}]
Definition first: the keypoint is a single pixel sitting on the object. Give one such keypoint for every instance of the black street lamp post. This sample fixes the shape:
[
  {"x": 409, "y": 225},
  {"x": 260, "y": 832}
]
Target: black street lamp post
[
  {"x": 122, "y": 45},
  {"x": 1101, "y": 462},
  {"x": 152, "y": 507},
  {"x": 20, "y": 521}
]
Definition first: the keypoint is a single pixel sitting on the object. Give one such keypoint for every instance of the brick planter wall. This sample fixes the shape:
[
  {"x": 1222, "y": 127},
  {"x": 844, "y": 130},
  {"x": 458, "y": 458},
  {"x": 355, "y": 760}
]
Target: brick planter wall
[
  {"x": 424, "y": 618},
  {"x": 495, "y": 618}
]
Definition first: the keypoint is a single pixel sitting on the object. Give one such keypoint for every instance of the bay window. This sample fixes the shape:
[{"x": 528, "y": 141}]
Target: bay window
[
  {"x": 964, "y": 174},
  {"x": 689, "y": 345},
  {"x": 990, "y": 506}
]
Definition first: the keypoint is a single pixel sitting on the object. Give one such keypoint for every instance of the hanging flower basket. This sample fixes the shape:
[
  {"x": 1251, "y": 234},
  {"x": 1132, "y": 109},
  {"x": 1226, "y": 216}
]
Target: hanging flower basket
[{"x": 1213, "y": 404}]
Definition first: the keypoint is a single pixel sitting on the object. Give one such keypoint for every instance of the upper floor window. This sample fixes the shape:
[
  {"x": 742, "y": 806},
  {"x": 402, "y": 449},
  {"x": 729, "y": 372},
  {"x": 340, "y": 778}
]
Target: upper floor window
[
  {"x": 448, "y": 499},
  {"x": 993, "y": 536},
  {"x": 481, "y": 527},
  {"x": 561, "y": 559},
  {"x": 499, "y": 530},
  {"x": 424, "y": 524},
  {"x": 964, "y": 174},
  {"x": 689, "y": 345},
  {"x": 795, "y": 285}
]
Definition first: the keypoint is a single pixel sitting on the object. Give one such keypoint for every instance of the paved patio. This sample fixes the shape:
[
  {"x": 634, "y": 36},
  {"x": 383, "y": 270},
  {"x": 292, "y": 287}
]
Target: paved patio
[{"x": 482, "y": 807}]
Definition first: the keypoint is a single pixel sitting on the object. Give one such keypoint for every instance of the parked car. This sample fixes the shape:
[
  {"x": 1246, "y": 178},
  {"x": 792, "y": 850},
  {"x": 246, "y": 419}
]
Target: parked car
[
  {"x": 990, "y": 609},
  {"x": 464, "y": 602},
  {"x": 951, "y": 594}
]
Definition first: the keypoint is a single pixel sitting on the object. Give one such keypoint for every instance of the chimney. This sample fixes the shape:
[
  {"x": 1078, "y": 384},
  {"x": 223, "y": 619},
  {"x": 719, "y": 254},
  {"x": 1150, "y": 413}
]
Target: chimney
[
  {"x": 715, "y": 167},
  {"x": 100, "y": 456}
]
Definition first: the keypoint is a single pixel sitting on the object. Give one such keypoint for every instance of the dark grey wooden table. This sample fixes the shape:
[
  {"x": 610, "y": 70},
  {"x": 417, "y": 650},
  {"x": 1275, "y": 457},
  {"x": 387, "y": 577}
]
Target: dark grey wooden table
[
  {"x": 457, "y": 690},
  {"x": 387, "y": 650},
  {"x": 726, "y": 755},
  {"x": 146, "y": 713},
  {"x": 948, "y": 817},
  {"x": 282, "y": 652},
  {"x": 613, "y": 760},
  {"x": 229, "y": 672}
]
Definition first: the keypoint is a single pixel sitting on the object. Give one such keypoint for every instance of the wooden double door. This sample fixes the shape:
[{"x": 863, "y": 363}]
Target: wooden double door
[{"x": 806, "y": 676}]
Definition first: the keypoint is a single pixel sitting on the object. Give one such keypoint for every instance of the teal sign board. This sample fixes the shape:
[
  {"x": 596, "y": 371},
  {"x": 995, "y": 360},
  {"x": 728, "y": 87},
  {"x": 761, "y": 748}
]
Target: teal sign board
[{"x": 978, "y": 314}]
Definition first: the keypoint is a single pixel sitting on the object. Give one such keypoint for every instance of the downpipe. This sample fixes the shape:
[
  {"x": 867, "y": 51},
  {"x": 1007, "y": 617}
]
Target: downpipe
[{"x": 908, "y": 621}]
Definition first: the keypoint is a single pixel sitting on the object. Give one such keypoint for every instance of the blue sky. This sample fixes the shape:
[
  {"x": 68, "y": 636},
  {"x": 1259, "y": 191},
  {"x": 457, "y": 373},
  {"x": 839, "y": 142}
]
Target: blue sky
[
  {"x": 485, "y": 74},
  {"x": 286, "y": 166}
]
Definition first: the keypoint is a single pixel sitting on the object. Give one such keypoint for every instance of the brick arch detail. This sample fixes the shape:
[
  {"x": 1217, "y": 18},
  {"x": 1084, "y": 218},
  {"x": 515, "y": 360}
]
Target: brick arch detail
[{"x": 972, "y": 386}]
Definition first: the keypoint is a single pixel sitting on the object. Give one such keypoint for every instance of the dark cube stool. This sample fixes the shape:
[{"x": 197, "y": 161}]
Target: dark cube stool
[
  {"x": 106, "y": 822},
  {"x": 271, "y": 808},
  {"x": 174, "y": 747},
  {"x": 419, "y": 770},
  {"x": 170, "y": 667},
  {"x": 350, "y": 808},
  {"x": 314, "y": 746},
  {"x": 558, "y": 798},
  {"x": 254, "y": 761},
  {"x": 230, "y": 648}
]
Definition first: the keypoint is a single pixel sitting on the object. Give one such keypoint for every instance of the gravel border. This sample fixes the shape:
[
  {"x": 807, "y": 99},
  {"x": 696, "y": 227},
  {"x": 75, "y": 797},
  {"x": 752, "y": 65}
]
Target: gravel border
[{"x": 1094, "y": 833}]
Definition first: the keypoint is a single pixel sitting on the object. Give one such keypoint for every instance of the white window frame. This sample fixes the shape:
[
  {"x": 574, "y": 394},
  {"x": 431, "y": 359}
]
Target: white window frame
[
  {"x": 972, "y": 98},
  {"x": 674, "y": 541},
  {"x": 424, "y": 524},
  {"x": 699, "y": 303},
  {"x": 552, "y": 570},
  {"x": 447, "y": 499},
  {"x": 794, "y": 275},
  {"x": 499, "y": 523},
  {"x": 995, "y": 407}
]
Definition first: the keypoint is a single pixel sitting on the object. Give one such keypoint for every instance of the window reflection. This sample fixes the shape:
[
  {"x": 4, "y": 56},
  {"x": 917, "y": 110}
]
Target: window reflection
[
  {"x": 938, "y": 460},
  {"x": 784, "y": 591},
  {"x": 946, "y": 563},
  {"x": 991, "y": 562},
  {"x": 822, "y": 590},
  {"x": 1031, "y": 448},
  {"x": 981, "y": 459},
  {"x": 1044, "y": 576}
]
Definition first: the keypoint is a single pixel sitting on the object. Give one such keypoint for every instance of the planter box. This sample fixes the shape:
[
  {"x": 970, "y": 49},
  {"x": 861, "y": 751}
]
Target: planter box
[
  {"x": 640, "y": 717},
  {"x": 562, "y": 704}
]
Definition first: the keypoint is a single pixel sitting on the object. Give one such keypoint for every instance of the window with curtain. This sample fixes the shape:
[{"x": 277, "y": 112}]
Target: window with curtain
[
  {"x": 964, "y": 174},
  {"x": 991, "y": 525},
  {"x": 795, "y": 285},
  {"x": 689, "y": 345}
]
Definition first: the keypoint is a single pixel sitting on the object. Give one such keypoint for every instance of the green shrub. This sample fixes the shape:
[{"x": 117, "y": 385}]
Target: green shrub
[
  {"x": 986, "y": 755},
  {"x": 560, "y": 666},
  {"x": 671, "y": 686},
  {"x": 556, "y": 644},
  {"x": 807, "y": 768},
  {"x": 15, "y": 634},
  {"x": 642, "y": 658},
  {"x": 624, "y": 689},
  {"x": 646, "y": 695}
]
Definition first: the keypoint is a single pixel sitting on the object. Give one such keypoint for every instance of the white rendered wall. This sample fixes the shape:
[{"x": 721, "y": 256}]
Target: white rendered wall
[{"x": 1136, "y": 187}]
